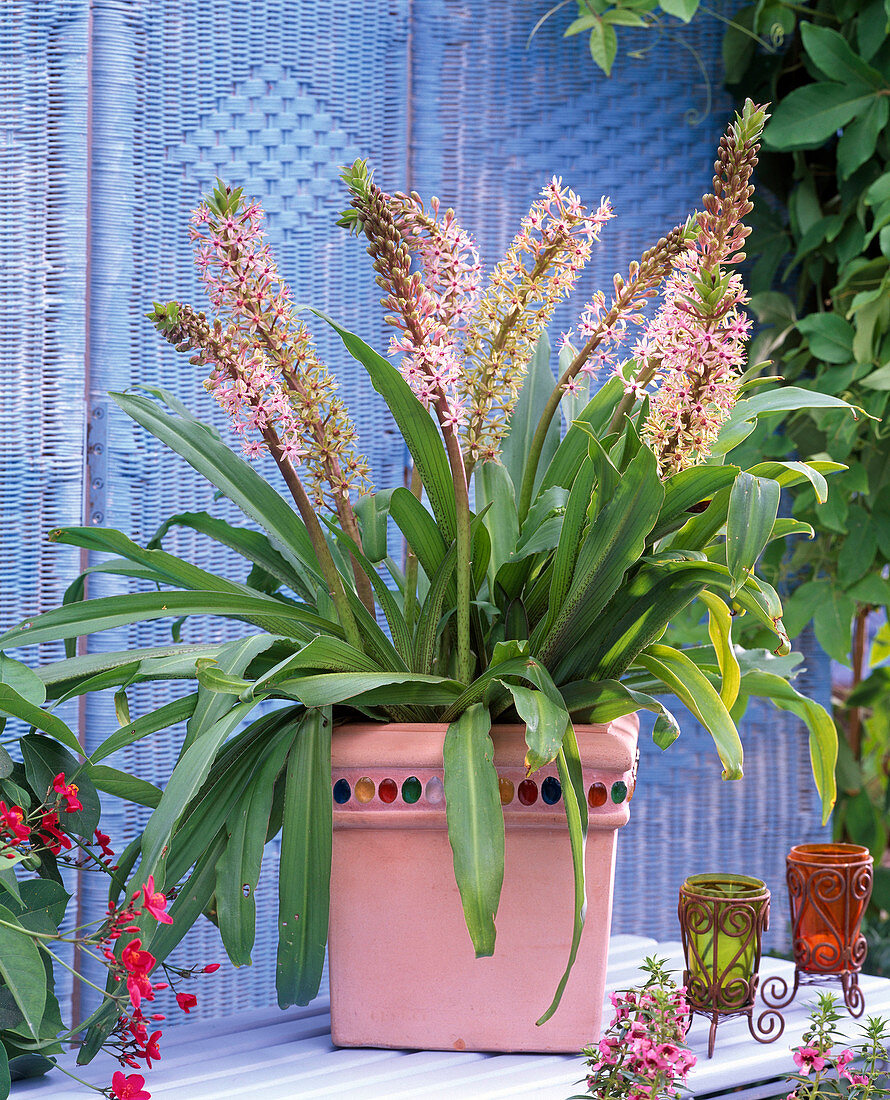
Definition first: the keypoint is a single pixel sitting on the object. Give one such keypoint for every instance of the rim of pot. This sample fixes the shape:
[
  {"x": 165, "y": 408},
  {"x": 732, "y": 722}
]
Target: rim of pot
[
  {"x": 829, "y": 854},
  {"x": 725, "y": 886}
]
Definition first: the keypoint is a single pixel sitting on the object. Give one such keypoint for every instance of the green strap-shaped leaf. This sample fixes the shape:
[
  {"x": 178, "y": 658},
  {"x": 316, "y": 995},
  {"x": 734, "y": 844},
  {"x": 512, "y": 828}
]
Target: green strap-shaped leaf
[
  {"x": 109, "y": 612},
  {"x": 572, "y": 780},
  {"x": 371, "y": 689},
  {"x": 394, "y": 617},
  {"x": 415, "y": 423},
  {"x": 720, "y": 633},
  {"x": 233, "y": 659},
  {"x": 603, "y": 701},
  {"x": 227, "y": 780},
  {"x": 639, "y": 613},
  {"x": 793, "y": 473},
  {"x": 430, "y": 614},
  {"x": 252, "y": 545},
  {"x": 613, "y": 544},
  {"x": 823, "y": 732},
  {"x": 573, "y": 449},
  {"x": 694, "y": 690},
  {"x": 475, "y": 823},
  {"x": 234, "y": 477},
  {"x": 573, "y": 525},
  {"x": 494, "y": 488},
  {"x": 64, "y": 678},
  {"x": 686, "y": 489},
  {"x": 419, "y": 528},
  {"x": 304, "y": 877},
  {"x": 545, "y": 725},
  {"x": 185, "y": 780},
  {"x": 161, "y": 719},
  {"x": 238, "y": 868},
  {"x": 191, "y": 900},
  {"x": 160, "y": 566},
  {"x": 536, "y": 390},
  {"x": 753, "y": 507},
  {"x": 21, "y": 966}
]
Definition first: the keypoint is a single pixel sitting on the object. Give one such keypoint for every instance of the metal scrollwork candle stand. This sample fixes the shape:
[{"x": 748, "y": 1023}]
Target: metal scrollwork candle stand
[
  {"x": 829, "y": 887},
  {"x": 722, "y": 921}
]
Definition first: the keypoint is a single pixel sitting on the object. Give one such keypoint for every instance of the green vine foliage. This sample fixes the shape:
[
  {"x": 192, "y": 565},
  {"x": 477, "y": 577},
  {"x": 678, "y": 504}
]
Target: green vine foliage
[
  {"x": 600, "y": 20},
  {"x": 821, "y": 289}
]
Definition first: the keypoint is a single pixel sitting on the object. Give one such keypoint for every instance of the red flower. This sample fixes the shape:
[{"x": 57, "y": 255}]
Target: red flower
[
  {"x": 186, "y": 1001},
  {"x": 12, "y": 820},
  {"x": 139, "y": 986},
  {"x": 210, "y": 968},
  {"x": 138, "y": 964},
  {"x": 151, "y": 1049},
  {"x": 156, "y": 903},
  {"x": 104, "y": 841},
  {"x": 129, "y": 1087},
  {"x": 69, "y": 792},
  {"x": 50, "y": 835},
  {"x": 135, "y": 959}
]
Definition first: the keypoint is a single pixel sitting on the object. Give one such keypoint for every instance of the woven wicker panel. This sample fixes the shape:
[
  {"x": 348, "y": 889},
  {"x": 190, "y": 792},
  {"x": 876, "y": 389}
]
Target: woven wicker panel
[
  {"x": 42, "y": 223},
  {"x": 42, "y": 230},
  {"x": 274, "y": 97}
]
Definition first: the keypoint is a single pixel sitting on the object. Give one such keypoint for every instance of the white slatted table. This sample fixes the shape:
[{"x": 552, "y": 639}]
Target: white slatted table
[{"x": 270, "y": 1055}]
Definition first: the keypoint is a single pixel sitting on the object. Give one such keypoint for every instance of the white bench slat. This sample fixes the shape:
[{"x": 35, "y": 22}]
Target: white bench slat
[{"x": 269, "y": 1055}]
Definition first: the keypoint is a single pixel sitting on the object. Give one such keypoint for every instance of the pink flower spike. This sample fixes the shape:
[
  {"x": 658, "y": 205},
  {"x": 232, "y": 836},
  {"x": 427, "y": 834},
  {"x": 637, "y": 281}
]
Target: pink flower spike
[{"x": 156, "y": 903}]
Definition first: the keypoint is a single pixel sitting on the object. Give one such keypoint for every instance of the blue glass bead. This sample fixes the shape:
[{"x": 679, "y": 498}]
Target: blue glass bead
[
  {"x": 342, "y": 791},
  {"x": 551, "y": 790}
]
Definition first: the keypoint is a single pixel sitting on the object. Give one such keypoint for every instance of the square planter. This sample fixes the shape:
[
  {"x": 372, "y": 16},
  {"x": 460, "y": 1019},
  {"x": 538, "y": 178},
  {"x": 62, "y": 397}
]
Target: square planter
[{"x": 402, "y": 968}]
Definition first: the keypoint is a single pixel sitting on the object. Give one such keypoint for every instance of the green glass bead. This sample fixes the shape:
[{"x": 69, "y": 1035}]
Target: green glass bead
[{"x": 411, "y": 789}]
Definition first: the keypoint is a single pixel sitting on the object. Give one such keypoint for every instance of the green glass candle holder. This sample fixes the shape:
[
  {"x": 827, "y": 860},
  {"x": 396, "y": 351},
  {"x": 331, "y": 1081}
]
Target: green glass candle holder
[{"x": 722, "y": 921}]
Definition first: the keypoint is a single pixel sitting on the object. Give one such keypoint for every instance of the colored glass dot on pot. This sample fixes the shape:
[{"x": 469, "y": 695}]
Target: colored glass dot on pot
[
  {"x": 411, "y": 789},
  {"x": 528, "y": 792},
  {"x": 387, "y": 790},
  {"x": 506, "y": 790},
  {"x": 342, "y": 791},
  {"x": 435, "y": 791},
  {"x": 619, "y": 791},
  {"x": 597, "y": 795},
  {"x": 364, "y": 790},
  {"x": 551, "y": 790}
]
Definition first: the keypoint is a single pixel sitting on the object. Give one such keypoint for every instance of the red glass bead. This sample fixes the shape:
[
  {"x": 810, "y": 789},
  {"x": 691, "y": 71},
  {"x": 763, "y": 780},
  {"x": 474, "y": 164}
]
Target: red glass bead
[
  {"x": 388, "y": 790},
  {"x": 597, "y": 795},
  {"x": 528, "y": 792}
]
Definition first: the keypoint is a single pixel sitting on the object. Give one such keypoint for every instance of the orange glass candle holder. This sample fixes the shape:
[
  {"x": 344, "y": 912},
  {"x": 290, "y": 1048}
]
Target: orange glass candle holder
[{"x": 829, "y": 887}]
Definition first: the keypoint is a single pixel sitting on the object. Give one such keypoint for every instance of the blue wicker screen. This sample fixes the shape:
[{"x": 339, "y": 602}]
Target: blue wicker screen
[{"x": 116, "y": 120}]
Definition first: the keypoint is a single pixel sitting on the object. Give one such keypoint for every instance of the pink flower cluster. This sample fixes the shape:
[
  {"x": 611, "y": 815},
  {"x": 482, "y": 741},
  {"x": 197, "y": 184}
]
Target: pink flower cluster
[
  {"x": 264, "y": 370},
  {"x": 540, "y": 269},
  {"x": 452, "y": 280},
  {"x": 696, "y": 345},
  {"x": 643, "y": 1055}
]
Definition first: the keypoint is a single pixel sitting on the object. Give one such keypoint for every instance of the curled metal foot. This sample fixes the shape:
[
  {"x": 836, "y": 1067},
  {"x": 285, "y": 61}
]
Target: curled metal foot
[
  {"x": 768, "y": 1026},
  {"x": 853, "y": 997},
  {"x": 774, "y": 991}
]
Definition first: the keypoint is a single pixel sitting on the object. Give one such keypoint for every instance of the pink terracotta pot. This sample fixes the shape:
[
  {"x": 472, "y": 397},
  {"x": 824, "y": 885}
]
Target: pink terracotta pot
[{"x": 402, "y": 968}]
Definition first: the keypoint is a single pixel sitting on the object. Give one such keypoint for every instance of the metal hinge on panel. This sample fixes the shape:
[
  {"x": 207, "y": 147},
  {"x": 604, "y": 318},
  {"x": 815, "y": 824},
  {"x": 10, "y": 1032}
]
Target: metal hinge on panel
[{"x": 97, "y": 458}]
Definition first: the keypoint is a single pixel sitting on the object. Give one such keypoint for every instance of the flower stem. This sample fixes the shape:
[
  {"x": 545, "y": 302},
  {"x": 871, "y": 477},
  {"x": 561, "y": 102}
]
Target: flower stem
[{"x": 319, "y": 543}]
